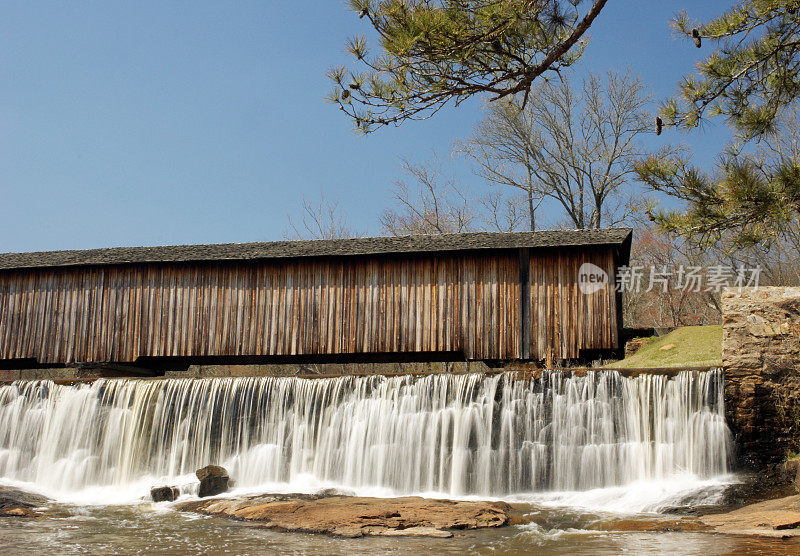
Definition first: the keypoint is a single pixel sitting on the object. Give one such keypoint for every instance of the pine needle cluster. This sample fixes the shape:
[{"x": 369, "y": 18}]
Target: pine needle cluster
[
  {"x": 750, "y": 79},
  {"x": 435, "y": 52}
]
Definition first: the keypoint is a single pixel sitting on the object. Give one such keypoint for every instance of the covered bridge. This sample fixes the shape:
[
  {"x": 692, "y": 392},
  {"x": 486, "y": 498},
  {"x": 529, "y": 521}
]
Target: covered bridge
[{"x": 477, "y": 296}]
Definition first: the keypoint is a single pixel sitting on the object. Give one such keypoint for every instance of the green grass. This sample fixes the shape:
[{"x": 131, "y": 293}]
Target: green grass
[{"x": 695, "y": 346}]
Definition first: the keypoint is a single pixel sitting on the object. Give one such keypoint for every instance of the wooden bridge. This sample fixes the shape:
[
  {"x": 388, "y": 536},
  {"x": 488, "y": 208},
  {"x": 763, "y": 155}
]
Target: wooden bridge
[{"x": 479, "y": 296}]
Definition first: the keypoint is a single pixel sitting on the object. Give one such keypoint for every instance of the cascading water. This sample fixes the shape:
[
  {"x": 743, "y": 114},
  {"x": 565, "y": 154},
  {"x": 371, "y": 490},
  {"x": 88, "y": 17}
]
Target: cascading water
[{"x": 453, "y": 434}]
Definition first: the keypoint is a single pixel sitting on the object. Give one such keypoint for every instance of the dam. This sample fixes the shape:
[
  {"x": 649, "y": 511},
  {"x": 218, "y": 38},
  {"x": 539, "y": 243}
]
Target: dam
[{"x": 452, "y": 435}]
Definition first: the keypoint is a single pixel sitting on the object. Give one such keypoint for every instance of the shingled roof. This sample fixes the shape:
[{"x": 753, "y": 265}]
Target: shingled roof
[{"x": 320, "y": 248}]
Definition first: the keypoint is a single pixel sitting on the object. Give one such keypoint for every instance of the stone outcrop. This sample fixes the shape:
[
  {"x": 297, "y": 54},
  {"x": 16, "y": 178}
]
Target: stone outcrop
[
  {"x": 350, "y": 516},
  {"x": 214, "y": 480},
  {"x": 761, "y": 356},
  {"x": 648, "y": 525},
  {"x": 164, "y": 493},
  {"x": 773, "y": 518},
  {"x": 18, "y": 503}
]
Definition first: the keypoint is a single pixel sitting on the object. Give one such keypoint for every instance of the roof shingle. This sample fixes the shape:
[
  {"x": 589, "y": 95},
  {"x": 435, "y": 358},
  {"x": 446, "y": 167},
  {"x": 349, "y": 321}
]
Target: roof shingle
[{"x": 316, "y": 248}]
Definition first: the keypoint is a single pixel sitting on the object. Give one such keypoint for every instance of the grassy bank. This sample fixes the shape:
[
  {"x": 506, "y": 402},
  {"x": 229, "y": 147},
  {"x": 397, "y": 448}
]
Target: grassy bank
[{"x": 689, "y": 346}]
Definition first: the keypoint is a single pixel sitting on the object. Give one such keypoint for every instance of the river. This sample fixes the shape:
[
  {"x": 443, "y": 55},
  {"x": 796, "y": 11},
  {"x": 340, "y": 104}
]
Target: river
[{"x": 148, "y": 529}]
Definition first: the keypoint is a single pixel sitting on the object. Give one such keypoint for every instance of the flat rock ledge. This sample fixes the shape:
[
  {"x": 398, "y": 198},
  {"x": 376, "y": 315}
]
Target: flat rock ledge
[
  {"x": 778, "y": 518},
  {"x": 18, "y": 503},
  {"x": 352, "y": 516}
]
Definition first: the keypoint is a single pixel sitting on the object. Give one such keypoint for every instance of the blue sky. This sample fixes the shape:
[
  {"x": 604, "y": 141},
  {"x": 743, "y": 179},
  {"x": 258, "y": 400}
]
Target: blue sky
[{"x": 153, "y": 123}]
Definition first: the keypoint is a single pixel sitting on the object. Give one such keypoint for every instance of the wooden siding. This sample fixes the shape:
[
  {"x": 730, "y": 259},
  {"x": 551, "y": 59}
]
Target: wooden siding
[
  {"x": 564, "y": 320},
  {"x": 346, "y": 305},
  {"x": 117, "y": 313}
]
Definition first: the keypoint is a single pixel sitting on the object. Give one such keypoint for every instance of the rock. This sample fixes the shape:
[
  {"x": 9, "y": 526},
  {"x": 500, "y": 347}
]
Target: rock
[
  {"x": 761, "y": 355},
  {"x": 649, "y": 525},
  {"x": 352, "y": 517},
  {"x": 164, "y": 494},
  {"x": 666, "y": 347},
  {"x": 327, "y": 492},
  {"x": 213, "y": 480},
  {"x": 18, "y": 511},
  {"x": 773, "y": 518},
  {"x": 791, "y": 523},
  {"x": 791, "y": 470},
  {"x": 18, "y": 503},
  {"x": 417, "y": 532},
  {"x": 211, "y": 471},
  {"x": 635, "y": 344}
]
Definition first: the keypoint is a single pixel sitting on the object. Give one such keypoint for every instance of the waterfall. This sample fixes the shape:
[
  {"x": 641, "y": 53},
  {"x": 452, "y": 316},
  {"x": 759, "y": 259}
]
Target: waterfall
[{"x": 453, "y": 434}]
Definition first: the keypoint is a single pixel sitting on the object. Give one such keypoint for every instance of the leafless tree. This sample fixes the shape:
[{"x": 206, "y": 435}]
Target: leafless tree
[
  {"x": 777, "y": 261},
  {"x": 323, "y": 219},
  {"x": 665, "y": 297},
  {"x": 430, "y": 204},
  {"x": 502, "y": 213},
  {"x": 572, "y": 145}
]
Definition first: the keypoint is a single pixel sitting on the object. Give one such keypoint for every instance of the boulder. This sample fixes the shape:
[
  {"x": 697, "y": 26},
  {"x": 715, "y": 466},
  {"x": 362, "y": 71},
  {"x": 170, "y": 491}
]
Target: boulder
[
  {"x": 18, "y": 503},
  {"x": 791, "y": 471},
  {"x": 773, "y": 518},
  {"x": 353, "y": 516},
  {"x": 164, "y": 494},
  {"x": 213, "y": 480}
]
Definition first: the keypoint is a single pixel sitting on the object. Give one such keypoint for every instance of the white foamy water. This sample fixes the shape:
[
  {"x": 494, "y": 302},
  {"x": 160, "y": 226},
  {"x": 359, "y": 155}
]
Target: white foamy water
[
  {"x": 598, "y": 440},
  {"x": 639, "y": 496}
]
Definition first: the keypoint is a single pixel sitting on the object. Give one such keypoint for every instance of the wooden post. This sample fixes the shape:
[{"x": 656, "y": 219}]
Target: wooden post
[{"x": 525, "y": 303}]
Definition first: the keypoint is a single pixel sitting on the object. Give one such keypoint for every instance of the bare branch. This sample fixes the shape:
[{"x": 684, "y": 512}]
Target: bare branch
[
  {"x": 573, "y": 146},
  {"x": 321, "y": 220},
  {"x": 431, "y": 205}
]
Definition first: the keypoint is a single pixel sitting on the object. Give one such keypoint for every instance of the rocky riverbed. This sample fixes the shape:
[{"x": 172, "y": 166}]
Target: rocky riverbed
[
  {"x": 353, "y": 516},
  {"x": 334, "y": 514}
]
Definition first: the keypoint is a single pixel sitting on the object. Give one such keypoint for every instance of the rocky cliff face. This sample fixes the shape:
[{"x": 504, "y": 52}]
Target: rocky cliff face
[{"x": 761, "y": 356}]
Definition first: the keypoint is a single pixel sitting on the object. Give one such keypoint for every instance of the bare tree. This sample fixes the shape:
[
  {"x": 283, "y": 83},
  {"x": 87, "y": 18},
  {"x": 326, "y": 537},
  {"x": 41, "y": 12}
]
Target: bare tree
[
  {"x": 777, "y": 260},
  {"x": 323, "y": 219},
  {"x": 665, "y": 297},
  {"x": 502, "y": 151},
  {"x": 432, "y": 203},
  {"x": 429, "y": 205},
  {"x": 502, "y": 213},
  {"x": 573, "y": 146}
]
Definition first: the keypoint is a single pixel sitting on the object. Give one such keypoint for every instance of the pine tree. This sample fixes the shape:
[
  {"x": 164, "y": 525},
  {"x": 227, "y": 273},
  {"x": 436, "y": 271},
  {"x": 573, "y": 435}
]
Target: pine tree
[
  {"x": 435, "y": 52},
  {"x": 750, "y": 80},
  {"x": 749, "y": 198},
  {"x": 753, "y": 75}
]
